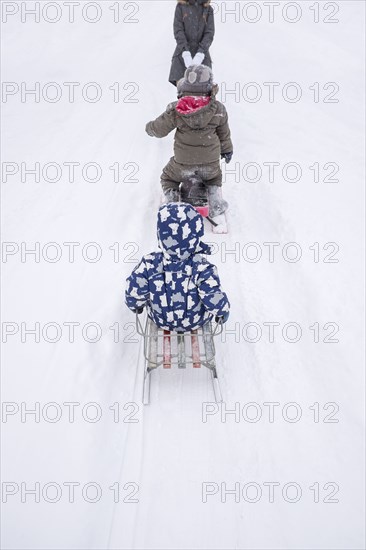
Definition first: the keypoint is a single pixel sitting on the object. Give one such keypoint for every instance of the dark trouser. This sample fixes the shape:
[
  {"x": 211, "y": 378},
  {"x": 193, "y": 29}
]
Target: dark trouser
[{"x": 174, "y": 174}]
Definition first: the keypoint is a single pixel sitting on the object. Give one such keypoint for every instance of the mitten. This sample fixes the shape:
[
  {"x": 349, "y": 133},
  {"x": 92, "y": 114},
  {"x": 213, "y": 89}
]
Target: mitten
[
  {"x": 148, "y": 130},
  {"x": 187, "y": 58},
  {"x": 227, "y": 156},
  {"x": 222, "y": 318},
  {"x": 198, "y": 58}
]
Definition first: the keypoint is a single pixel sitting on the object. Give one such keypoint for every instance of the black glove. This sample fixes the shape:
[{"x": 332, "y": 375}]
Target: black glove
[
  {"x": 148, "y": 130},
  {"x": 222, "y": 318},
  {"x": 227, "y": 156},
  {"x": 138, "y": 310}
]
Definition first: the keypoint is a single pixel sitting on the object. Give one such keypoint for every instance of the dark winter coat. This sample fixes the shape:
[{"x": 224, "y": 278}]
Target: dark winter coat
[
  {"x": 194, "y": 30},
  {"x": 201, "y": 136},
  {"x": 179, "y": 287}
]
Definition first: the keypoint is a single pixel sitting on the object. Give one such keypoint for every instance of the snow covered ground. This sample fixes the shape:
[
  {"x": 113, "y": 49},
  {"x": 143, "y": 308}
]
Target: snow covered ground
[{"x": 292, "y": 455}]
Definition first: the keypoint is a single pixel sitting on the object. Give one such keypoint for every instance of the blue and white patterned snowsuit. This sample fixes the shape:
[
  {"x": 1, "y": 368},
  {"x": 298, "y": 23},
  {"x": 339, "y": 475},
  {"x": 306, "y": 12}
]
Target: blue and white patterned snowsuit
[{"x": 180, "y": 288}]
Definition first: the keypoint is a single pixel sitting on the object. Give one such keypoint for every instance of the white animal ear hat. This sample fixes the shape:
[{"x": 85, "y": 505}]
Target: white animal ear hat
[{"x": 198, "y": 79}]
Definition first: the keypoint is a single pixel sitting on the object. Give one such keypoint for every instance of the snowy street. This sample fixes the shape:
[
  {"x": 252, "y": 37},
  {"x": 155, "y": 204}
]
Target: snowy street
[{"x": 279, "y": 465}]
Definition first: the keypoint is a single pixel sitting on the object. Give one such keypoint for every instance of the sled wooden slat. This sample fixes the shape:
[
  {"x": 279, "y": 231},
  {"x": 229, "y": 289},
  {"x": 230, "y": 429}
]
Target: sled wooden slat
[
  {"x": 195, "y": 350},
  {"x": 167, "y": 361}
]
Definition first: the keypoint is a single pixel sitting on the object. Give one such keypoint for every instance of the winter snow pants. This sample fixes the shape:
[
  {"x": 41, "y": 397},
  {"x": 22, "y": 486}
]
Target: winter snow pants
[{"x": 174, "y": 174}]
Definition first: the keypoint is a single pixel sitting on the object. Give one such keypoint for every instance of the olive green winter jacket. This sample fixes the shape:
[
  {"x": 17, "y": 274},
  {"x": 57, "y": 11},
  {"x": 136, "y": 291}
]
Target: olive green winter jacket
[{"x": 200, "y": 137}]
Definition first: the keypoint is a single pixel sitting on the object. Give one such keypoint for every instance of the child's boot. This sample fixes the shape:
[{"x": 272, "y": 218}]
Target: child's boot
[{"x": 216, "y": 203}]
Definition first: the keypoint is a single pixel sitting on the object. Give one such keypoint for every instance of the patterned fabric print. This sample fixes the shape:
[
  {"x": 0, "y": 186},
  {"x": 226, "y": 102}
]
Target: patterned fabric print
[{"x": 180, "y": 288}]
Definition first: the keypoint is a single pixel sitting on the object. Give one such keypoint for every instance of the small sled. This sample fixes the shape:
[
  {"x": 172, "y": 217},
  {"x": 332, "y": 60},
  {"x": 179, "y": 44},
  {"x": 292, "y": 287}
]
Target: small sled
[{"x": 168, "y": 349}]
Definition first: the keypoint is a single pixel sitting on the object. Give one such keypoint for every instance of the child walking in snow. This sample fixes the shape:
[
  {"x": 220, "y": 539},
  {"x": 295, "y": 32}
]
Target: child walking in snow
[
  {"x": 202, "y": 136},
  {"x": 178, "y": 286},
  {"x": 194, "y": 30}
]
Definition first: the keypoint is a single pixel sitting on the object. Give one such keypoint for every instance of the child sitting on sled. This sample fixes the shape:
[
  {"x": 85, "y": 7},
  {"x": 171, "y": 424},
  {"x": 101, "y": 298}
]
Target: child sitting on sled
[
  {"x": 178, "y": 286},
  {"x": 202, "y": 136}
]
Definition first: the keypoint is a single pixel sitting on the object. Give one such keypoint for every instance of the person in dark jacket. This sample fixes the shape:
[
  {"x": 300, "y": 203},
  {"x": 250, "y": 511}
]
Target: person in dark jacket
[
  {"x": 194, "y": 30},
  {"x": 180, "y": 289},
  {"x": 202, "y": 136}
]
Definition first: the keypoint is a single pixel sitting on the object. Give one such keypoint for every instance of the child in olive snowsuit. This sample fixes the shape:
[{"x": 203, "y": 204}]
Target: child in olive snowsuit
[
  {"x": 194, "y": 30},
  {"x": 202, "y": 136}
]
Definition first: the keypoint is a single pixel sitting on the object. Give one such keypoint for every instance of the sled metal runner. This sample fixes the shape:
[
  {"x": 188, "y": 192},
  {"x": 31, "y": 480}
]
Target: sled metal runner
[{"x": 168, "y": 349}]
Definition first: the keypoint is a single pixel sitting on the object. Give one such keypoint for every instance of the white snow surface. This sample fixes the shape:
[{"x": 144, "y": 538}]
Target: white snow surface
[{"x": 169, "y": 453}]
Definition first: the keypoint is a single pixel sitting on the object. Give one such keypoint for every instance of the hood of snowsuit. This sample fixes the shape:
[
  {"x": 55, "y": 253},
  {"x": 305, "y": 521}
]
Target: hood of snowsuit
[
  {"x": 180, "y": 229},
  {"x": 190, "y": 104},
  {"x": 201, "y": 114}
]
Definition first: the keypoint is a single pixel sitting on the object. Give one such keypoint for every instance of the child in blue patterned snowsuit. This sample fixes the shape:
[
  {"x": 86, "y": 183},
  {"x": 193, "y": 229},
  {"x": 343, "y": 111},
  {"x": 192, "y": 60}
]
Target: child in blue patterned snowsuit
[{"x": 179, "y": 287}]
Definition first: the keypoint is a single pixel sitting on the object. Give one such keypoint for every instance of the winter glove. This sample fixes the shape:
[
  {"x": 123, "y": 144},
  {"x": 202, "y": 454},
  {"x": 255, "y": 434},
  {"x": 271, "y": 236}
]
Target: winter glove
[
  {"x": 139, "y": 310},
  {"x": 227, "y": 156},
  {"x": 187, "y": 58},
  {"x": 222, "y": 318},
  {"x": 148, "y": 130},
  {"x": 198, "y": 58}
]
